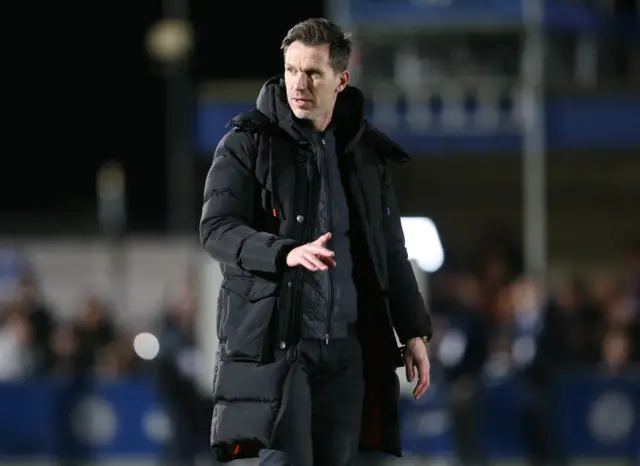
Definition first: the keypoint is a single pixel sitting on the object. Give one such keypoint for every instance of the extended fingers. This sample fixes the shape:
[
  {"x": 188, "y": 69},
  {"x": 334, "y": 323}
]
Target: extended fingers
[{"x": 423, "y": 378}]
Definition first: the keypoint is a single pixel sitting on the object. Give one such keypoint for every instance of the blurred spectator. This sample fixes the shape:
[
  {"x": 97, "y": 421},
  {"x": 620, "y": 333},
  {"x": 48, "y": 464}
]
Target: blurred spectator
[
  {"x": 462, "y": 341},
  {"x": 539, "y": 344},
  {"x": 622, "y": 326},
  {"x": 117, "y": 359},
  {"x": 179, "y": 364},
  {"x": 79, "y": 346},
  {"x": 497, "y": 262},
  {"x": 64, "y": 349},
  {"x": 539, "y": 353},
  {"x": 585, "y": 321},
  {"x": 615, "y": 351},
  {"x": 632, "y": 273},
  {"x": 40, "y": 318},
  {"x": 94, "y": 331},
  {"x": 16, "y": 357},
  {"x": 27, "y": 326}
]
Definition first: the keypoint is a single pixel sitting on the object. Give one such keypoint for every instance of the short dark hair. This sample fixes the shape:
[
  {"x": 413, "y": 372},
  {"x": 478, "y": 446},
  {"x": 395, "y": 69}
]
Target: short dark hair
[{"x": 320, "y": 31}]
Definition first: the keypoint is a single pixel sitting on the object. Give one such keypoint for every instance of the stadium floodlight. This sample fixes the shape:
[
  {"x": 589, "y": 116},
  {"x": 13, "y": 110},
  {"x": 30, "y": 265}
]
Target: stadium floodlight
[{"x": 423, "y": 243}]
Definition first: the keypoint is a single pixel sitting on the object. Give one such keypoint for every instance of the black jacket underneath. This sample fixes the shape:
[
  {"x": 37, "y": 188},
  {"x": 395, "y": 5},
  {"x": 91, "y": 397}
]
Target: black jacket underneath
[{"x": 330, "y": 304}]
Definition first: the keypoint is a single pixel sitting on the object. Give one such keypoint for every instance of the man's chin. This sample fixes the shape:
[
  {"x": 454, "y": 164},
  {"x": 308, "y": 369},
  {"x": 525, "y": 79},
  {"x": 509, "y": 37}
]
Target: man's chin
[{"x": 301, "y": 113}]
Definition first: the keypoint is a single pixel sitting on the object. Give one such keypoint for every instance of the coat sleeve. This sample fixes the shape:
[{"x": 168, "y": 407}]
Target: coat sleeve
[
  {"x": 229, "y": 206},
  {"x": 408, "y": 309}
]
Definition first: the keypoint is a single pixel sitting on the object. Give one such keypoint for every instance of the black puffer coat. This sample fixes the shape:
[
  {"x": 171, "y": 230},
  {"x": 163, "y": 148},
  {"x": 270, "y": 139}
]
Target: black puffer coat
[{"x": 261, "y": 200}]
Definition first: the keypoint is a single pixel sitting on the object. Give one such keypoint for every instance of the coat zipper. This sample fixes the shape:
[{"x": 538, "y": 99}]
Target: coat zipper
[
  {"x": 306, "y": 236},
  {"x": 330, "y": 224},
  {"x": 386, "y": 212}
]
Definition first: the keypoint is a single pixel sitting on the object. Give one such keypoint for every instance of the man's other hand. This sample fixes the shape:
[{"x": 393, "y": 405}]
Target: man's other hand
[
  {"x": 416, "y": 357},
  {"x": 313, "y": 256}
]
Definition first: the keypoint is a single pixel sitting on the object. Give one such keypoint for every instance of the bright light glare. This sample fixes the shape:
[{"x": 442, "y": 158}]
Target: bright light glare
[
  {"x": 146, "y": 346},
  {"x": 423, "y": 243}
]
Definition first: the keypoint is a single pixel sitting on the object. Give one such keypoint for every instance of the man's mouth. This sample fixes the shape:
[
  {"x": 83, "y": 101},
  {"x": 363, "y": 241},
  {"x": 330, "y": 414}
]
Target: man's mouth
[{"x": 300, "y": 103}]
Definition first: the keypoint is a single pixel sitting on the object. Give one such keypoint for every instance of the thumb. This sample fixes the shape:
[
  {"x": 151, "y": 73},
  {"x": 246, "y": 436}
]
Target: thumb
[{"x": 323, "y": 239}]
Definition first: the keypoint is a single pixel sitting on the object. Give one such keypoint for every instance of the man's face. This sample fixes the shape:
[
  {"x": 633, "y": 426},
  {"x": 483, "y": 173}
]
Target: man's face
[{"x": 312, "y": 85}]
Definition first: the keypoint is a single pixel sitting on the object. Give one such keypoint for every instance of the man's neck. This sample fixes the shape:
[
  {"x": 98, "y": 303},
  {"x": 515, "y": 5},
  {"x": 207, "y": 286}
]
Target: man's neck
[{"x": 322, "y": 124}]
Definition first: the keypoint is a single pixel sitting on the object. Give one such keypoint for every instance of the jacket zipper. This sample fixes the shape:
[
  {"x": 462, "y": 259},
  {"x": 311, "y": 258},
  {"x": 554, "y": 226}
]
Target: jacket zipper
[
  {"x": 330, "y": 225},
  {"x": 296, "y": 324}
]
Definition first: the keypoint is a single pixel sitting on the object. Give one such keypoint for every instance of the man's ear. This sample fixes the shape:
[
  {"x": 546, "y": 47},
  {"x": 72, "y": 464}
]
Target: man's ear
[{"x": 344, "y": 81}]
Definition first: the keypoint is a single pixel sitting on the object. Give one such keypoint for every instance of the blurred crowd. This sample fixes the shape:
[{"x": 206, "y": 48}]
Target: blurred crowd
[
  {"x": 588, "y": 321},
  {"x": 491, "y": 322},
  {"x": 36, "y": 342},
  {"x": 485, "y": 301},
  {"x": 94, "y": 345}
]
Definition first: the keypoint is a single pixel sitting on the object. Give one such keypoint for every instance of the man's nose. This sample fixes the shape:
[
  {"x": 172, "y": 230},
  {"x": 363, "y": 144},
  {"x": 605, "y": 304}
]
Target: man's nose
[{"x": 300, "y": 83}]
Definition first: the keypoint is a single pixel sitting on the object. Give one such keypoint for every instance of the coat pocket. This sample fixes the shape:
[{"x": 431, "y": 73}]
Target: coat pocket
[{"x": 248, "y": 305}]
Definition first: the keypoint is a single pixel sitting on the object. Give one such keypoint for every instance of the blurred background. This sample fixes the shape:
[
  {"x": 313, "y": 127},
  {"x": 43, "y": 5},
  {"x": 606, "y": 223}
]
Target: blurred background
[{"x": 523, "y": 120}]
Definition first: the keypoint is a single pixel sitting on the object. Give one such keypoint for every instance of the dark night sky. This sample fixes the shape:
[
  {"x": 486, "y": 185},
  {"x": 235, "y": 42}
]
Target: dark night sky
[{"x": 98, "y": 97}]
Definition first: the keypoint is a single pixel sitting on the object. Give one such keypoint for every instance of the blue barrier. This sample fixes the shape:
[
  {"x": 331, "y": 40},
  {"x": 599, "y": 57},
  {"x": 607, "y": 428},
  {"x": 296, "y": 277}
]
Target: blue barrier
[
  {"x": 597, "y": 417},
  {"x": 50, "y": 419},
  {"x": 573, "y": 123},
  {"x": 602, "y": 417}
]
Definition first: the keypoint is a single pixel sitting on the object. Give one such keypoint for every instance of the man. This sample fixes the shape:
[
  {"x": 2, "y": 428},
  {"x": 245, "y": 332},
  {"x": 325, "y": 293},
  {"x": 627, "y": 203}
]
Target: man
[{"x": 299, "y": 211}]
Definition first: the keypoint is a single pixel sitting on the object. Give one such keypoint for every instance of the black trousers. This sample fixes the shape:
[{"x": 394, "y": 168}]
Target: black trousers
[{"x": 321, "y": 426}]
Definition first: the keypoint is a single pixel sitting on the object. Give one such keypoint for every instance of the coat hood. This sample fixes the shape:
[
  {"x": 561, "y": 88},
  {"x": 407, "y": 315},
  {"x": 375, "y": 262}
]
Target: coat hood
[{"x": 348, "y": 115}]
